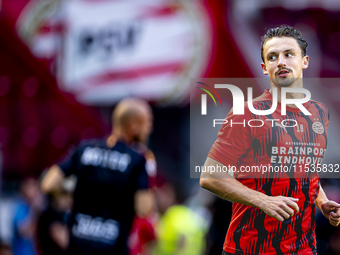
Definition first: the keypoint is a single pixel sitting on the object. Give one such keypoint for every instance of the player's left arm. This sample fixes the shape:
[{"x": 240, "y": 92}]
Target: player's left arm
[
  {"x": 144, "y": 196},
  {"x": 330, "y": 209},
  {"x": 144, "y": 201},
  {"x": 52, "y": 180}
]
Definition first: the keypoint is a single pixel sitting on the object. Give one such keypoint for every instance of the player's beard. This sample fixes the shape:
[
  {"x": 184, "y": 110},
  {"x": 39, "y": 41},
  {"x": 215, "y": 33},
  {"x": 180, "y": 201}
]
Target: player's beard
[{"x": 284, "y": 82}]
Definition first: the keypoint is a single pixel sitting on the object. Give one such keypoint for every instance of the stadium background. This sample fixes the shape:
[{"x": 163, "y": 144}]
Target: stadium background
[{"x": 43, "y": 74}]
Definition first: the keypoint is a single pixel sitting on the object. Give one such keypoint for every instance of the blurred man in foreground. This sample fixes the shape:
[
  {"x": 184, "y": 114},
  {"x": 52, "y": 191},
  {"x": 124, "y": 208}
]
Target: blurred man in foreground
[
  {"x": 25, "y": 218},
  {"x": 112, "y": 184}
]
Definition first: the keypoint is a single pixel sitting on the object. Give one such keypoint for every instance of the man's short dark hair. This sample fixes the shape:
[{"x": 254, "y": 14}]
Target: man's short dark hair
[{"x": 284, "y": 30}]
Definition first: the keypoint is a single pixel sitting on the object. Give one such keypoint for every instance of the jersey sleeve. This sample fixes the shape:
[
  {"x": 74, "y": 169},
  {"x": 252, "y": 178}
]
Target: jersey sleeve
[
  {"x": 69, "y": 162},
  {"x": 234, "y": 139},
  {"x": 19, "y": 216}
]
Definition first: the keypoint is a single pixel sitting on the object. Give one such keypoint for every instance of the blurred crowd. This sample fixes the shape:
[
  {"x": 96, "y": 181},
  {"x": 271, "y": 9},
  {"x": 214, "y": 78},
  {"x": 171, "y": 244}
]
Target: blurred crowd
[
  {"x": 42, "y": 216},
  {"x": 40, "y": 223},
  {"x": 196, "y": 226}
]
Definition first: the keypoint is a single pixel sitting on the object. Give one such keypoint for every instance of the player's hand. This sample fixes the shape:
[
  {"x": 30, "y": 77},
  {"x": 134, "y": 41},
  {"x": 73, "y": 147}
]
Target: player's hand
[
  {"x": 280, "y": 207},
  {"x": 331, "y": 210}
]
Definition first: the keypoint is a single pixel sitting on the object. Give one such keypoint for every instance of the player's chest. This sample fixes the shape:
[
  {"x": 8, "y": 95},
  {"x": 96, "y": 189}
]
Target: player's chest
[
  {"x": 292, "y": 128},
  {"x": 288, "y": 139}
]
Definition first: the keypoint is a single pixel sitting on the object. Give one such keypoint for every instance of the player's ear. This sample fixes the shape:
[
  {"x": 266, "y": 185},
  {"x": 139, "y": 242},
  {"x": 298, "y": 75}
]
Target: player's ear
[
  {"x": 305, "y": 62},
  {"x": 264, "y": 68}
]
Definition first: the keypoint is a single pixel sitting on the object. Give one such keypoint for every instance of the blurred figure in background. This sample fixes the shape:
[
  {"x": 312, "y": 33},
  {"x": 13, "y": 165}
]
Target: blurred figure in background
[
  {"x": 112, "y": 186},
  {"x": 327, "y": 236},
  {"x": 181, "y": 230},
  {"x": 221, "y": 212},
  {"x": 126, "y": 124},
  {"x": 5, "y": 249},
  {"x": 25, "y": 220},
  {"x": 53, "y": 233},
  {"x": 132, "y": 121}
]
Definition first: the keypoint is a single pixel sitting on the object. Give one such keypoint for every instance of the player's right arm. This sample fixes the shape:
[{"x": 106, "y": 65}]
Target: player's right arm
[
  {"x": 144, "y": 196},
  {"x": 228, "y": 188},
  {"x": 144, "y": 202},
  {"x": 53, "y": 179}
]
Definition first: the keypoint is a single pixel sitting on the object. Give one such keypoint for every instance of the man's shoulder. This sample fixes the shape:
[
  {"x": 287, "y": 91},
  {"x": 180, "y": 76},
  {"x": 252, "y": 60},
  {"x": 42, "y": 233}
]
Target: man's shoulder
[
  {"x": 319, "y": 105},
  {"x": 261, "y": 102},
  {"x": 94, "y": 142},
  {"x": 119, "y": 146},
  {"x": 258, "y": 104}
]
